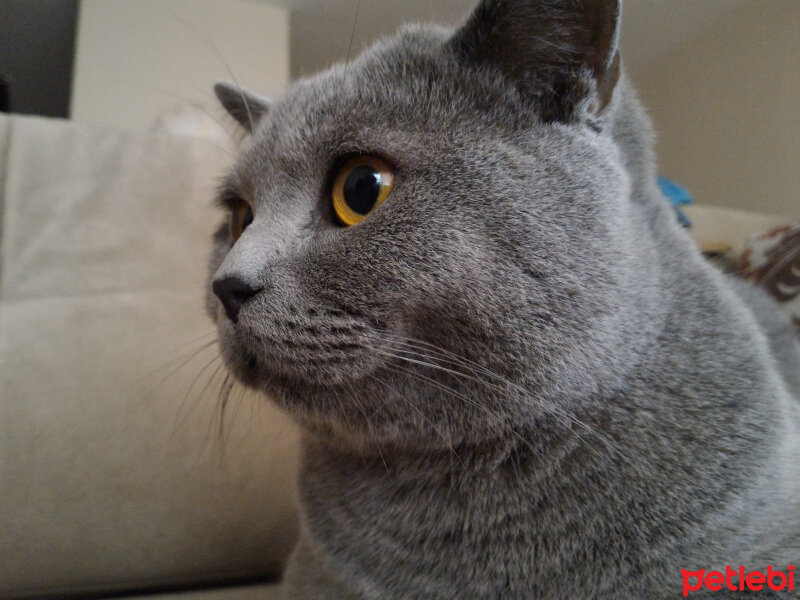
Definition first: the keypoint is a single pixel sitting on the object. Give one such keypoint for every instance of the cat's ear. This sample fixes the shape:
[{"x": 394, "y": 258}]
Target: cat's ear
[
  {"x": 246, "y": 107},
  {"x": 563, "y": 53}
]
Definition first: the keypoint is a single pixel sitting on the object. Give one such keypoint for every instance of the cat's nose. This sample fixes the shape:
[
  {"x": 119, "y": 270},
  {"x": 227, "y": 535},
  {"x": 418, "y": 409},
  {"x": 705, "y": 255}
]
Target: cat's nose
[{"x": 233, "y": 293}]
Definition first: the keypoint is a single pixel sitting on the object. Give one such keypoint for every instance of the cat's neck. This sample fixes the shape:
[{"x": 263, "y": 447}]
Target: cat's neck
[{"x": 536, "y": 441}]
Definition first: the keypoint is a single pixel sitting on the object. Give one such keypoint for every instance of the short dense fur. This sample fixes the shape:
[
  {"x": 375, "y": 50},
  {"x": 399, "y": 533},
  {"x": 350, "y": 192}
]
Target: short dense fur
[{"x": 517, "y": 378}]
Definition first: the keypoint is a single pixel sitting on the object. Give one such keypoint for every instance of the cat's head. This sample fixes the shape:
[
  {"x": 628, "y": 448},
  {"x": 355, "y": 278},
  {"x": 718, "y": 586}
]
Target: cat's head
[{"x": 429, "y": 242}]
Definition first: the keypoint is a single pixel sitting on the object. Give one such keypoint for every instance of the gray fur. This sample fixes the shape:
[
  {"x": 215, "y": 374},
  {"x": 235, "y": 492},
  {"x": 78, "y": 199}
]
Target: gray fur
[
  {"x": 243, "y": 105},
  {"x": 597, "y": 408}
]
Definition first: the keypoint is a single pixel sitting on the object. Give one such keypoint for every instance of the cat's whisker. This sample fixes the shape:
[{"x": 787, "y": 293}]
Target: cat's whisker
[
  {"x": 361, "y": 409},
  {"x": 198, "y": 139},
  {"x": 191, "y": 387},
  {"x": 385, "y": 465},
  {"x": 225, "y": 396},
  {"x": 203, "y": 393},
  {"x": 218, "y": 412},
  {"x": 458, "y": 395},
  {"x": 422, "y": 414},
  {"x": 559, "y": 415},
  {"x": 235, "y": 135},
  {"x": 210, "y": 41},
  {"x": 420, "y": 360},
  {"x": 217, "y": 424},
  {"x": 548, "y": 407},
  {"x": 242, "y": 397},
  {"x": 354, "y": 396},
  {"x": 194, "y": 104},
  {"x": 171, "y": 362},
  {"x": 486, "y": 410},
  {"x": 183, "y": 360},
  {"x": 350, "y": 45},
  {"x": 213, "y": 333}
]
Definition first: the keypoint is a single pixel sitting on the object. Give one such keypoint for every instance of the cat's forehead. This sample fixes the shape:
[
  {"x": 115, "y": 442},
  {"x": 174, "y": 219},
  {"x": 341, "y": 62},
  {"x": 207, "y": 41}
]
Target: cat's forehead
[
  {"x": 385, "y": 76},
  {"x": 398, "y": 82},
  {"x": 404, "y": 95}
]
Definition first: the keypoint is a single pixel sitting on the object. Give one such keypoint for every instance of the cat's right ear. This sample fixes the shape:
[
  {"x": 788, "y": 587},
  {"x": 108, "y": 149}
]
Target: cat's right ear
[
  {"x": 246, "y": 107},
  {"x": 563, "y": 54}
]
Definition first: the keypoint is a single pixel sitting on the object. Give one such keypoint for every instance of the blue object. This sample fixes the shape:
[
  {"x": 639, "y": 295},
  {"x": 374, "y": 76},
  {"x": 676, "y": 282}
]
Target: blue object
[{"x": 678, "y": 197}]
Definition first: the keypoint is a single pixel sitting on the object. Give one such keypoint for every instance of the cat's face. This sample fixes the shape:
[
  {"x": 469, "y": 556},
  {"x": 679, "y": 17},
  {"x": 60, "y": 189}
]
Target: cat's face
[{"x": 493, "y": 264}]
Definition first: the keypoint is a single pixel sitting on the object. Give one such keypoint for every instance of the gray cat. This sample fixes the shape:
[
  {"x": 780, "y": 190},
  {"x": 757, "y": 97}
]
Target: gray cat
[{"x": 449, "y": 261}]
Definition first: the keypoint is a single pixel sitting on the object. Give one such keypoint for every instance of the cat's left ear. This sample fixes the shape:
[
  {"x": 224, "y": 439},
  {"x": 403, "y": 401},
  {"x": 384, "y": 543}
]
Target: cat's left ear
[
  {"x": 562, "y": 53},
  {"x": 246, "y": 107}
]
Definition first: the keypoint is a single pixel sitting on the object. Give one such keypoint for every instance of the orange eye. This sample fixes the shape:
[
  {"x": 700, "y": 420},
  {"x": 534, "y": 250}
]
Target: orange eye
[
  {"x": 241, "y": 217},
  {"x": 361, "y": 186}
]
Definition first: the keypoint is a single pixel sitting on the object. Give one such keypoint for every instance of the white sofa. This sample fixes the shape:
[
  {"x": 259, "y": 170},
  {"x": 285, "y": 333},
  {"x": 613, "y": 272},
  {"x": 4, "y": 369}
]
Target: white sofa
[{"x": 114, "y": 475}]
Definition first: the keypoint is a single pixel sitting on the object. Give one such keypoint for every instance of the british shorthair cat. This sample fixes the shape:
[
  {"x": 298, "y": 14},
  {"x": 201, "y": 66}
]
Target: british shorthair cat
[{"x": 517, "y": 378}]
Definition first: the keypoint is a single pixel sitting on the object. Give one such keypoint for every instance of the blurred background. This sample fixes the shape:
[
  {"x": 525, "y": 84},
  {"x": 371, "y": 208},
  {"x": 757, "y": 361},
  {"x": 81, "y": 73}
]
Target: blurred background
[{"x": 719, "y": 77}]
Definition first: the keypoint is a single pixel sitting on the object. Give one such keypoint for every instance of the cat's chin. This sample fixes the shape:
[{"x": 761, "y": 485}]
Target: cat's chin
[{"x": 280, "y": 367}]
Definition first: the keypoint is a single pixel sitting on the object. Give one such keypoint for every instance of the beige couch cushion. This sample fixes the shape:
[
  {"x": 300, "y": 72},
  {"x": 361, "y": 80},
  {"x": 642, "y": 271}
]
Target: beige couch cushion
[
  {"x": 89, "y": 210},
  {"x": 247, "y": 592},
  {"x": 113, "y": 471}
]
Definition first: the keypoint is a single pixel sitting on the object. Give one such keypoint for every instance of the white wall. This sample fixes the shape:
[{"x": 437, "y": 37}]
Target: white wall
[
  {"x": 726, "y": 107},
  {"x": 321, "y": 29},
  {"x": 137, "y": 59}
]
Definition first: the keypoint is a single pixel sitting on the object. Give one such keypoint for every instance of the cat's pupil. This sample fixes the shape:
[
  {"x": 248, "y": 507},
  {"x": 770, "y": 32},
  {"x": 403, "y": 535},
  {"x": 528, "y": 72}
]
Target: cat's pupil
[{"x": 362, "y": 188}]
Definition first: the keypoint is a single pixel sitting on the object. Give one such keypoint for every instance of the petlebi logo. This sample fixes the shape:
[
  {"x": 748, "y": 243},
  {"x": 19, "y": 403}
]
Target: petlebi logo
[{"x": 738, "y": 580}]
